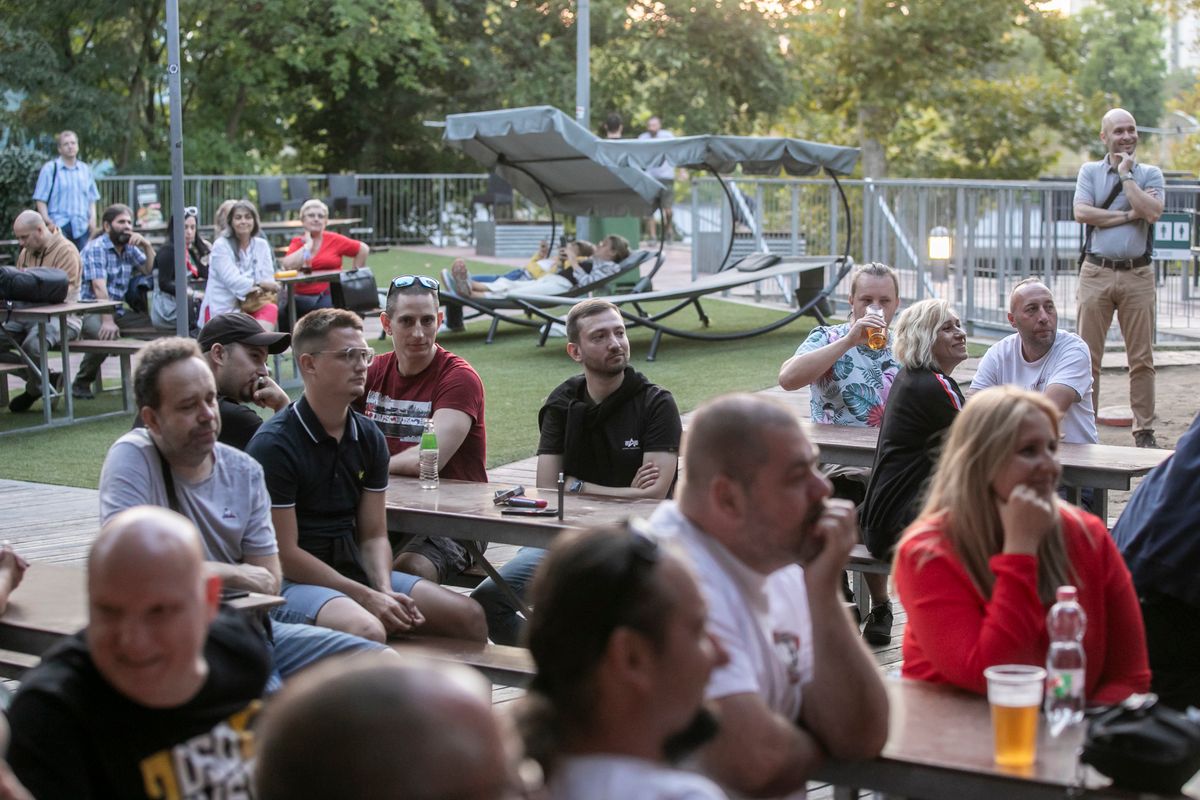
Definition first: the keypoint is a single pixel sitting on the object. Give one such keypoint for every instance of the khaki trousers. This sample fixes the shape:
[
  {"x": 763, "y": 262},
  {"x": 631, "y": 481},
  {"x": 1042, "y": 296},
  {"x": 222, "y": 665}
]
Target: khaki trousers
[{"x": 1130, "y": 293}]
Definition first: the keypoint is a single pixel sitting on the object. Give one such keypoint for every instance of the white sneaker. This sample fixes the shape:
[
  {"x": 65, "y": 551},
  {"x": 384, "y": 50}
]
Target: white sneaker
[
  {"x": 444, "y": 328},
  {"x": 558, "y": 329}
]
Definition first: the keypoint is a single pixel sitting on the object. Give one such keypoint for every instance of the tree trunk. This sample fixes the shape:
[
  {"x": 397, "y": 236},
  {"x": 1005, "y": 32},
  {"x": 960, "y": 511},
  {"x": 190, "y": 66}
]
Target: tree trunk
[{"x": 874, "y": 158}]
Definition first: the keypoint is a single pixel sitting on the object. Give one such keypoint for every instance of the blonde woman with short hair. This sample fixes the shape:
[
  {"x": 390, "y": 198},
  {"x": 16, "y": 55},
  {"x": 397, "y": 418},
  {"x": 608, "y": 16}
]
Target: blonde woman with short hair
[
  {"x": 978, "y": 570},
  {"x": 929, "y": 343}
]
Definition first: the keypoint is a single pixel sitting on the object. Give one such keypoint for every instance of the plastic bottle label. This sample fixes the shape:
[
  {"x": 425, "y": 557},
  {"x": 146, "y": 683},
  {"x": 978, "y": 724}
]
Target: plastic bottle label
[
  {"x": 429, "y": 441},
  {"x": 1066, "y": 683}
]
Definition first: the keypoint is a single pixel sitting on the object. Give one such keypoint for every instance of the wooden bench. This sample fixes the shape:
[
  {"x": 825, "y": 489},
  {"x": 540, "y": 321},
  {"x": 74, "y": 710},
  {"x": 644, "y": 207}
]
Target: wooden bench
[
  {"x": 861, "y": 561},
  {"x": 5, "y": 371},
  {"x": 501, "y": 664},
  {"x": 13, "y": 665},
  {"x": 126, "y": 349}
]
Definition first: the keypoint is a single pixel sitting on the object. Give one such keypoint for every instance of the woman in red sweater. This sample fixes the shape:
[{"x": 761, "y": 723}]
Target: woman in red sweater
[
  {"x": 978, "y": 569},
  {"x": 319, "y": 249}
]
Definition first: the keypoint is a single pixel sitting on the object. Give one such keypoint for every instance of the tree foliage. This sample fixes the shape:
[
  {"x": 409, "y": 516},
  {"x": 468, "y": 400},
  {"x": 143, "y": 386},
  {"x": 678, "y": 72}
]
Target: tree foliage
[
  {"x": 956, "y": 87},
  {"x": 1123, "y": 56}
]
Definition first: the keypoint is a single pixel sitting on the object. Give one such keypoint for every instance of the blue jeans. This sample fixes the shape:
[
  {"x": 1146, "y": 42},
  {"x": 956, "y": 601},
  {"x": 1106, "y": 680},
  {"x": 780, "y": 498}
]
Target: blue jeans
[
  {"x": 512, "y": 275},
  {"x": 305, "y": 600},
  {"x": 298, "y": 646},
  {"x": 1087, "y": 499},
  {"x": 503, "y": 621},
  {"x": 79, "y": 240}
]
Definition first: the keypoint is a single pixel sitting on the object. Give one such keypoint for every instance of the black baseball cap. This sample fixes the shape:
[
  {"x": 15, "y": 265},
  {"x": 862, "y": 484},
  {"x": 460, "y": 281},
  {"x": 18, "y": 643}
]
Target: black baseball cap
[{"x": 238, "y": 327}]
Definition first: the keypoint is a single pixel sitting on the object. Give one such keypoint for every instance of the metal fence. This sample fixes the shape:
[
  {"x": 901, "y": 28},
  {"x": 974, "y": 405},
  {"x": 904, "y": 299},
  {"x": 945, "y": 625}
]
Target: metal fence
[
  {"x": 437, "y": 209},
  {"x": 997, "y": 233}
]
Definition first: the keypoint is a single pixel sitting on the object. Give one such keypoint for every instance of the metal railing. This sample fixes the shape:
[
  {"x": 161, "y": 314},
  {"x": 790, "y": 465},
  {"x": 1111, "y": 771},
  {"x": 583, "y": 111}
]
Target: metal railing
[{"x": 1000, "y": 232}]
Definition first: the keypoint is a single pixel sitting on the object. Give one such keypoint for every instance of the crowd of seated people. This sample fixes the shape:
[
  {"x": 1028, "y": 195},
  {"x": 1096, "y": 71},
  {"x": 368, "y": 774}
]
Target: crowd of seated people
[{"x": 722, "y": 662}]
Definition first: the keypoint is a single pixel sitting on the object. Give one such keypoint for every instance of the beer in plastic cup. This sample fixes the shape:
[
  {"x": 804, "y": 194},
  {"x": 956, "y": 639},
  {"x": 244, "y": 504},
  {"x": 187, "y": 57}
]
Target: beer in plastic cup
[
  {"x": 1015, "y": 694},
  {"x": 876, "y": 337}
]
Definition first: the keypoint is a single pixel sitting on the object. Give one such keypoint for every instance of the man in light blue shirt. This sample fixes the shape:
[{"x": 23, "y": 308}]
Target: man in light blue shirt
[{"x": 66, "y": 192}]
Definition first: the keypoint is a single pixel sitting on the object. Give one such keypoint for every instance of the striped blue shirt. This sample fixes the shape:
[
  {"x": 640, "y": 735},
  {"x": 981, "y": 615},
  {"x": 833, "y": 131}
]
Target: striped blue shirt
[
  {"x": 74, "y": 192},
  {"x": 101, "y": 261}
]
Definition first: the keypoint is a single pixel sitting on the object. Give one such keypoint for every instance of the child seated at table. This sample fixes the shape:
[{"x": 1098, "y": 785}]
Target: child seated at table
[{"x": 978, "y": 570}]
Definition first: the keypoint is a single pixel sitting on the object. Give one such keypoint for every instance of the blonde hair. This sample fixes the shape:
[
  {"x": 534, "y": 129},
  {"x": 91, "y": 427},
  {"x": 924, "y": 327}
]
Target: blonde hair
[
  {"x": 916, "y": 331},
  {"x": 874, "y": 269},
  {"x": 313, "y": 202},
  {"x": 980, "y": 444}
]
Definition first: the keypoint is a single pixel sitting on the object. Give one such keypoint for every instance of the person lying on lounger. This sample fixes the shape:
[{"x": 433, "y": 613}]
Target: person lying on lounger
[{"x": 585, "y": 265}]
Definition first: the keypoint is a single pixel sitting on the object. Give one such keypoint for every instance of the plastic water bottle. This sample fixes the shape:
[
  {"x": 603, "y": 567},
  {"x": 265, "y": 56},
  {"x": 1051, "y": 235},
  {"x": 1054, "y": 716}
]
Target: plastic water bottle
[
  {"x": 428, "y": 457},
  {"x": 1065, "y": 661}
]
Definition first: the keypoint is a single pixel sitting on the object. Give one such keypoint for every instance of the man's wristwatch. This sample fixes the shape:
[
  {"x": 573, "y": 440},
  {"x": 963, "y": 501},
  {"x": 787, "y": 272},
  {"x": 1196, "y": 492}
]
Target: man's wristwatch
[
  {"x": 1125, "y": 176},
  {"x": 576, "y": 486}
]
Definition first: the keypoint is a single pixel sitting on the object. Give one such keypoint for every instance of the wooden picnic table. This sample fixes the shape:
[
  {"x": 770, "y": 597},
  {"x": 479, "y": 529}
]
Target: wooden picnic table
[
  {"x": 464, "y": 510},
  {"x": 51, "y": 603},
  {"x": 45, "y": 315},
  {"x": 1100, "y": 466},
  {"x": 940, "y": 746}
]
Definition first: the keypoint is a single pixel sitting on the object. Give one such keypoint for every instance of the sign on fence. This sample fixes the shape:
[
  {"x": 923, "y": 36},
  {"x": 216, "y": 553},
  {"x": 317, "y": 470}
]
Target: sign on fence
[{"x": 1173, "y": 237}]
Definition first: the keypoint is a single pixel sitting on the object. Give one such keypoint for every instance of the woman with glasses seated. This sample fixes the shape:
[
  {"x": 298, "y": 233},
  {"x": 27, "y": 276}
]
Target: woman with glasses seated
[
  {"x": 319, "y": 250},
  {"x": 977, "y": 572},
  {"x": 196, "y": 253},
  {"x": 241, "y": 271}
]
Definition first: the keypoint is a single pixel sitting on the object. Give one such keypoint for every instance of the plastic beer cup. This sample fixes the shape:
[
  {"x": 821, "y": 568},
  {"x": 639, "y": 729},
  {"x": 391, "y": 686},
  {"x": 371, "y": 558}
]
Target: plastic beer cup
[
  {"x": 876, "y": 337},
  {"x": 1015, "y": 695}
]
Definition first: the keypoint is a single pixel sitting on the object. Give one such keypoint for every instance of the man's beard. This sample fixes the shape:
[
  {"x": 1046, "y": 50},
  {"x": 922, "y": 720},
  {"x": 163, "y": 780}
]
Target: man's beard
[
  {"x": 120, "y": 237},
  {"x": 701, "y": 730}
]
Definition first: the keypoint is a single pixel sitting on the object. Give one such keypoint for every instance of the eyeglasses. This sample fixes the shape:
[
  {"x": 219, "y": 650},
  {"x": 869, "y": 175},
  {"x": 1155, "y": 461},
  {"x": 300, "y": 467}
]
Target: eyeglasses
[
  {"x": 351, "y": 355},
  {"x": 190, "y": 211},
  {"x": 405, "y": 281}
]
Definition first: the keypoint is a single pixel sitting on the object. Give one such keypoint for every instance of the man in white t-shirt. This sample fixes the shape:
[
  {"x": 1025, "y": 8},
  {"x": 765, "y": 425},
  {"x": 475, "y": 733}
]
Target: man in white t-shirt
[
  {"x": 1041, "y": 358},
  {"x": 769, "y": 545}
]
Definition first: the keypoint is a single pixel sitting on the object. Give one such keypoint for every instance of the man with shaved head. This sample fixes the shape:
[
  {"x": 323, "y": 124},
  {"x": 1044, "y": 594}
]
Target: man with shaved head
[
  {"x": 156, "y": 696},
  {"x": 40, "y": 247},
  {"x": 1119, "y": 200},
  {"x": 383, "y": 728},
  {"x": 1041, "y": 358},
  {"x": 769, "y": 545}
]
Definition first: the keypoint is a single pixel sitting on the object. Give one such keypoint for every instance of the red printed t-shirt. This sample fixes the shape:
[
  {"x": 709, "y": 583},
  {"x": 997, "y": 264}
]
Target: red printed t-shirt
[
  {"x": 334, "y": 247},
  {"x": 954, "y": 632},
  {"x": 400, "y": 405}
]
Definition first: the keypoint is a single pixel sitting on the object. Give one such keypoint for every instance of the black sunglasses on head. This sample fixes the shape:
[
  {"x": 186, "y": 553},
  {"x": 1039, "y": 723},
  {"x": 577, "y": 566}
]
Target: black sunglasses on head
[{"x": 404, "y": 281}]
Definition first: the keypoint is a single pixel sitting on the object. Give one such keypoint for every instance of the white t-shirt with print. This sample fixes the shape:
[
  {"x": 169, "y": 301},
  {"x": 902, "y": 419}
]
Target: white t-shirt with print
[
  {"x": 612, "y": 777},
  {"x": 762, "y": 621},
  {"x": 1068, "y": 363}
]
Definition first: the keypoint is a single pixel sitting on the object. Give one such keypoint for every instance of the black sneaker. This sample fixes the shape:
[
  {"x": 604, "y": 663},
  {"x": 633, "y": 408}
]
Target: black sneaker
[
  {"x": 1144, "y": 438},
  {"x": 878, "y": 630},
  {"x": 81, "y": 392},
  {"x": 21, "y": 403}
]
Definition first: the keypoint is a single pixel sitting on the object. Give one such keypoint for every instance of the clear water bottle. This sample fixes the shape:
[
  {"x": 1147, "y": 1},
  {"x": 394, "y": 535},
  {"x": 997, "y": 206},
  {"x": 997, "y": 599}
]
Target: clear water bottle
[
  {"x": 428, "y": 457},
  {"x": 1065, "y": 661}
]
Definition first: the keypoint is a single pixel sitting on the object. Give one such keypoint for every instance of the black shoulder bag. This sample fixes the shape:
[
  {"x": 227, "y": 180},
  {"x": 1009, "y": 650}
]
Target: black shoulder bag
[{"x": 1088, "y": 229}]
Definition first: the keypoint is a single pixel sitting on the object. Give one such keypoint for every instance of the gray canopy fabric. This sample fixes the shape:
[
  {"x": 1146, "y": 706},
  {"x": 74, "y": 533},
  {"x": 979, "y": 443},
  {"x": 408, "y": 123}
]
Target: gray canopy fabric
[
  {"x": 758, "y": 155},
  {"x": 551, "y": 159}
]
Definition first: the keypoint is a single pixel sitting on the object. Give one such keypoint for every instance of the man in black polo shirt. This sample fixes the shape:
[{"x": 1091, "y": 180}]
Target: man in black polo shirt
[
  {"x": 236, "y": 349},
  {"x": 326, "y": 468},
  {"x": 609, "y": 431}
]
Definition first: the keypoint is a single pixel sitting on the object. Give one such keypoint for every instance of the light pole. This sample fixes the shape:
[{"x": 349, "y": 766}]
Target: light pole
[{"x": 583, "y": 83}]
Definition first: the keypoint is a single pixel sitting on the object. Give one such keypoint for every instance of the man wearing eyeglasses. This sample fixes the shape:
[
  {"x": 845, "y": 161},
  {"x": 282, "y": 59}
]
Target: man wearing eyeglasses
[
  {"x": 418, "y": 381},
  {"x": 326, "y": 468}
]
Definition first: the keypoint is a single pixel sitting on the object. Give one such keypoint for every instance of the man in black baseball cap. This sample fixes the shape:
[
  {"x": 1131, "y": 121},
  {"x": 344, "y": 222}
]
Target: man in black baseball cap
[{"x": 236, "y": 349}]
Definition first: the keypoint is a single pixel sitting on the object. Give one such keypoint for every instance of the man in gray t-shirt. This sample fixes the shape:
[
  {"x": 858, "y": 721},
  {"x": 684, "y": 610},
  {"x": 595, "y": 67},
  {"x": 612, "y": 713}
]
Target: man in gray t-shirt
[
  {"x": 1116, "y": 274},
  {"x": 176, "y": 462}
]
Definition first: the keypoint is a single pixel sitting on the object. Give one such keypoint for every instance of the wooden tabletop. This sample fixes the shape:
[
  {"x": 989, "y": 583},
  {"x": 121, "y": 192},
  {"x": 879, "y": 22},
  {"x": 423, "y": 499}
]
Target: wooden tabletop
[
  {"x": 61, "y": 309},
  {"x": 464, "y": 510},
  {"x": 1102, "y": 466},
  {"x": 51, "y": 603},
  {"x": 940, "y": 746},
  {"x": 334, "y": 275}
]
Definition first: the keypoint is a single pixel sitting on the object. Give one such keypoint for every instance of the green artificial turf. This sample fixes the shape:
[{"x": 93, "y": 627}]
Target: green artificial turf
[{"x": 517, "y": 375}]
